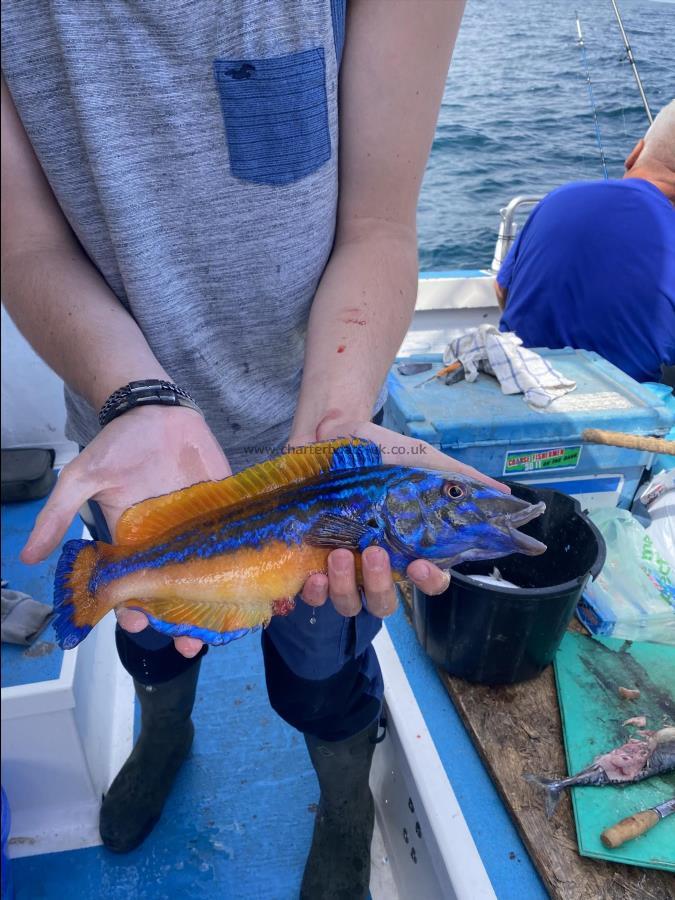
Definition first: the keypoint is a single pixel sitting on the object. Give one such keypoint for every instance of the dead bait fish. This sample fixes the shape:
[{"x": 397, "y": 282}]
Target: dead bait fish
[
  {"x": 219, "y": 558},
  {"x": 628, "y": 764}
]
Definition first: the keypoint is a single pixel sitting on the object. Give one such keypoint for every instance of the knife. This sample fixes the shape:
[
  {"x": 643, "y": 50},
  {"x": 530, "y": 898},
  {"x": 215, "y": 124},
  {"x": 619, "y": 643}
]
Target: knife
[
  {"x": 453, "y": 372},
  {"x": 637, "y": 824}
]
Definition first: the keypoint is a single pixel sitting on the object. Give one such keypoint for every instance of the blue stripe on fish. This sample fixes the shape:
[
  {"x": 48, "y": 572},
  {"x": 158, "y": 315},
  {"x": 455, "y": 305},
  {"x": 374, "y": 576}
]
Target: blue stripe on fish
[
  {"x": 357, "y": 489},
  {"x": 217, "y": 638}
]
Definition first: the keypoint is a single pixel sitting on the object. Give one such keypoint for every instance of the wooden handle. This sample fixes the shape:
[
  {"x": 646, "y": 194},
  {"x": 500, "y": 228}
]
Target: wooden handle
[
  {"x": 631, "y": 441},
  {"x": 446, "y": 370},
  {"x": 629, "y": 828}
]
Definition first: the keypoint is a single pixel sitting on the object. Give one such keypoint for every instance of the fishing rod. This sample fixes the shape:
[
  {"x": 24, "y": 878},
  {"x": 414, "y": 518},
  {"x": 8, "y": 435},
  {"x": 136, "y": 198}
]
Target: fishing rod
[
  {"x": 631, "y": 60},
  {"x": 582, "y": 47}
]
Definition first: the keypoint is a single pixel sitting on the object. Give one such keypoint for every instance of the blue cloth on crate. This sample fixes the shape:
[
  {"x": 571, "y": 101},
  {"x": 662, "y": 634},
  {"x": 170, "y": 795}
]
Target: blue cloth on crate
[{"x": 594, "y": 268}]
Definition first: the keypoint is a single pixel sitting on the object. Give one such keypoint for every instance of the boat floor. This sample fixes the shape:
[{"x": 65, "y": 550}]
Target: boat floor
[{"x": 239, "y": 820}]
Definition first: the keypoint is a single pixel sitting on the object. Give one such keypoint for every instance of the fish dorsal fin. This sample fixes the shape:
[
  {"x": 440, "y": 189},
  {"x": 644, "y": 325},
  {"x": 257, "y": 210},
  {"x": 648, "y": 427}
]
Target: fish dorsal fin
[{"x": 152, "y": 518}]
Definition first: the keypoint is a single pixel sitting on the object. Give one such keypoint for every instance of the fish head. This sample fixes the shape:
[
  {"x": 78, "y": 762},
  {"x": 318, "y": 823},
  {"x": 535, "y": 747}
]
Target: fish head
[{"x": 448, "y": 517}]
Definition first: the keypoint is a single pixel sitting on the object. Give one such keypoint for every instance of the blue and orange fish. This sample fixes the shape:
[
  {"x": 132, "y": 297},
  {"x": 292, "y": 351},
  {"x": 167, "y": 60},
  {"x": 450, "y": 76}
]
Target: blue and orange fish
[{"x": 219, "y": 558}]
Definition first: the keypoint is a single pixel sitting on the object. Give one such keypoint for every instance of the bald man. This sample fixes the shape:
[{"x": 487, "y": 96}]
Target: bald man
[{"x": 594, "y": 265}]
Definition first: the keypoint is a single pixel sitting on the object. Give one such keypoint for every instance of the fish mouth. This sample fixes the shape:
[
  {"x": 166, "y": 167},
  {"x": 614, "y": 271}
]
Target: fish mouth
[
  {"x": 511, "y": 522},
  {"x": 525, "y": 543},
  {"x": 526, "y": 514}
]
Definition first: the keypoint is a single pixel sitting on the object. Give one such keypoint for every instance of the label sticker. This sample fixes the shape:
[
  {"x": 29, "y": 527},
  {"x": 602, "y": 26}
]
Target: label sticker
[
  {"x": 541, "y": 460},
  {"x": 589, "y": 402}
]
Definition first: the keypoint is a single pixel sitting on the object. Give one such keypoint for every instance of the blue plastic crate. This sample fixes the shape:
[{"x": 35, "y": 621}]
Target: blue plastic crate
[{"x": 503, "y": 437}]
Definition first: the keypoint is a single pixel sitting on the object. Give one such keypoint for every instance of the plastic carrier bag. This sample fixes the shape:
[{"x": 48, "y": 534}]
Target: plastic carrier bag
[
  {"x": 655, "y": 509},
  {"x": 633, "y": 597}
]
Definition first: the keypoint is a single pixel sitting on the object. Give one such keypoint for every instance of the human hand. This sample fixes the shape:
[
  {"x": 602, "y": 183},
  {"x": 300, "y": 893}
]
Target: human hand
[
  {"x": 378, "y": 585},
  {"x": 146, "y": 452}
]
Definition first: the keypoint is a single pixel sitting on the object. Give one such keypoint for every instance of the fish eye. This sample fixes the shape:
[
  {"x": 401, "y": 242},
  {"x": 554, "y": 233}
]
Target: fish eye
[{"x": 453, "y": 490}]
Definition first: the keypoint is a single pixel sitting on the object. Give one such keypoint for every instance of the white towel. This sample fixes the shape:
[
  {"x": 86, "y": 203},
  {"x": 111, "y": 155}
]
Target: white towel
[{"x": 519, "y": 370}]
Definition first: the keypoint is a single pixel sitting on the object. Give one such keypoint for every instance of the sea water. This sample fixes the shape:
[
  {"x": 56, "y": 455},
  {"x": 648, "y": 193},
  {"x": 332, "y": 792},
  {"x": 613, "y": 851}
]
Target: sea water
[{"x": 516, "y": 117}]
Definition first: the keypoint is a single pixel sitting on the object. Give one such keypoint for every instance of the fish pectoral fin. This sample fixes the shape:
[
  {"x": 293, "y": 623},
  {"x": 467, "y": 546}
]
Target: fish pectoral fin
[
  {"x": 209, "y": 615},
  {"x": 333, "y": 530}
]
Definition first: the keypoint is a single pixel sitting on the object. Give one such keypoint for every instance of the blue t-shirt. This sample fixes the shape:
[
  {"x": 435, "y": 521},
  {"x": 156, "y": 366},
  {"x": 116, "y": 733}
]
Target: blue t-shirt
[{"x": 594, "y": 268}]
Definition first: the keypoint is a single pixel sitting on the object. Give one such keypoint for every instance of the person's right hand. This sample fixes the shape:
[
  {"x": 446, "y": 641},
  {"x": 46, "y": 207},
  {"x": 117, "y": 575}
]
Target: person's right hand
[{"x": 146, "y": 452}]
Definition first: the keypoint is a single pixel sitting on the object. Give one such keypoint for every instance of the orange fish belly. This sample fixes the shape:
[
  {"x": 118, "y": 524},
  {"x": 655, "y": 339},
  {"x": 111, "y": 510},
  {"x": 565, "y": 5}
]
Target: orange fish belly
[{"x": 232, "y": 590}]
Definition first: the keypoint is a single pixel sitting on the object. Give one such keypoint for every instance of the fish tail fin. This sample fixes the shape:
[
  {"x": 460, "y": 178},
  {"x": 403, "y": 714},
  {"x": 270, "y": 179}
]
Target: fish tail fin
[
  {"x": 76, "y": 606},
  {"x": 552, "y": 791}
]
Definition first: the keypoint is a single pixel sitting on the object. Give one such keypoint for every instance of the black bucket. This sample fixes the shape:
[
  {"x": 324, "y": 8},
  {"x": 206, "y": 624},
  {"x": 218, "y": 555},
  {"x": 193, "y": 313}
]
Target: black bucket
[{"x": 495, "y": 635}]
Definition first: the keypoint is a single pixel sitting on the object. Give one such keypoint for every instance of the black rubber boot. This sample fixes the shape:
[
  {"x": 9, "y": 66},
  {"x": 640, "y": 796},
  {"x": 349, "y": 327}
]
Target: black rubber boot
[
  {"x": 135, "y": 799},
  {"x": 338, "y": 865}
]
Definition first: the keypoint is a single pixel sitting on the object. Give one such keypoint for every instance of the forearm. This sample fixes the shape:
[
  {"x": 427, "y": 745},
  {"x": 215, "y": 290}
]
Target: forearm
[
  {"x": 395, "y": 61},
  {"x": 360, "y": 315},
  {"x": 67, "y": 312}
]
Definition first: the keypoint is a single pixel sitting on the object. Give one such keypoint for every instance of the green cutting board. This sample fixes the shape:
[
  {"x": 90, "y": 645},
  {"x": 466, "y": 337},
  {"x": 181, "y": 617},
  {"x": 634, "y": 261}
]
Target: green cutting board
[{"x": 588, "y": 672}]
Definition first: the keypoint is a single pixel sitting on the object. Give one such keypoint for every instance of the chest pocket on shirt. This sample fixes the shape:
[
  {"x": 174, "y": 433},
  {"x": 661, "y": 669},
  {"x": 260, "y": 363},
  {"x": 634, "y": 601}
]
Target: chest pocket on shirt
[{"x": 276, "y": 115}]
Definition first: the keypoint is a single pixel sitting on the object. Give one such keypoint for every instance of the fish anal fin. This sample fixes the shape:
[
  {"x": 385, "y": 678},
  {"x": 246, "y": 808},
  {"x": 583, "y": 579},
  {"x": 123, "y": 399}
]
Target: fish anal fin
[
  {"x": 207, "y": 616},
  {"x": 150, "y": 519}
]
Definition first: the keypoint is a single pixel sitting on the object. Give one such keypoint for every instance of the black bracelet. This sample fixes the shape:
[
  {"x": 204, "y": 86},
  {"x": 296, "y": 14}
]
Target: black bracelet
[{"x": 144, "y": 393}]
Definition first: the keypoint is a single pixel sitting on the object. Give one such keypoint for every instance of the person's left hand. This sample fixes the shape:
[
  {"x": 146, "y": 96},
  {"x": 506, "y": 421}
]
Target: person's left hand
[{"x": 378, "y": 585}]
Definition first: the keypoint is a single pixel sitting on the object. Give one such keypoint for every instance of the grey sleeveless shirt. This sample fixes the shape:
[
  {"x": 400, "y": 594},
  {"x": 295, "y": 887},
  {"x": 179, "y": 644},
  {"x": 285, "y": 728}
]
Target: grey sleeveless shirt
[{"x": 193, "y": 149}]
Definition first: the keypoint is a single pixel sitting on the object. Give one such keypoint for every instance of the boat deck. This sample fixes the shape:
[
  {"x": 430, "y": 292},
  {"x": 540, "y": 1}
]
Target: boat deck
[
  {"x": 239, "y": 820},
  {"x": 42, "y": 662}
]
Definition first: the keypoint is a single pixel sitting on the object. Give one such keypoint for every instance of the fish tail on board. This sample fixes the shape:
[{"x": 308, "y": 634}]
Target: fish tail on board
[
  {"x": 551, "y": 789},
  {"x": 77, "y": 608}
]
